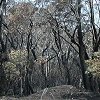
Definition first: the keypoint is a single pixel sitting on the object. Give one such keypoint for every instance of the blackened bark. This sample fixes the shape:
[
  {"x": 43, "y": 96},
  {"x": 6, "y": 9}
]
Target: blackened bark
[
  {"x": 99, "y": 84},
  {"x": 2, "y": 59},
  {"x": 28, "y": 88},
  {"x": 90, "y": 78},
  {"x": 65, "y": 64},
  {"x": 44, "y": 76},
  {"x": 96, "y": 37},
  {"x": 81, "y": 47},
  {"x": 2, "y": 80}
]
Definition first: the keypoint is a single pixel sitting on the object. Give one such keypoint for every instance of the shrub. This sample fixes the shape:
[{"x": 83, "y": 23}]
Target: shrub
[{"x": 93, "y": 65}]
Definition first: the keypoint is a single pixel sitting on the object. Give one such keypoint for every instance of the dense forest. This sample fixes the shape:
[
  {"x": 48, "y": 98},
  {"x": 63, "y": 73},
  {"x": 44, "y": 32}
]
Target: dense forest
[{"x": 48, "y": 43}]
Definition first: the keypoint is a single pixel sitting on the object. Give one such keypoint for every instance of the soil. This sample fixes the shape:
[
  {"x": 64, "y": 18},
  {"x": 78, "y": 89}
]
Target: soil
[{"x": 64, "y": 92}]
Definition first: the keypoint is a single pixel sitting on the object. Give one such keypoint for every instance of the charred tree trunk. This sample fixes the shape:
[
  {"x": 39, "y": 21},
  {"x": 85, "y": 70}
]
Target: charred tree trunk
[
  {"x": 3, "y": 58},
  {"x": 81, "y": 46},
  {"x": 2, "y": 80},
  {"x": 44, "y": 76},
  {"x": 96, "y": 35},
  {"x": 28, "y": 88},
  {"x": 65, "y": 64}
]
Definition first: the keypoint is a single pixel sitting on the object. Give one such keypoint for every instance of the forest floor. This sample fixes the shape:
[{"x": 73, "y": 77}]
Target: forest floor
[{"x": 64, "y": 92}]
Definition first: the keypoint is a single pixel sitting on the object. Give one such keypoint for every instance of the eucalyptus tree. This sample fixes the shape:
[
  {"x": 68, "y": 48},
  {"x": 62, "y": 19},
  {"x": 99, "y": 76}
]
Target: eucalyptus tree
[
  {"x": 95, "y": 32},
  {"x": 75, "y": 34},
  {"x": 53, "y": 35},
  {"x": 3, "y": 49}
]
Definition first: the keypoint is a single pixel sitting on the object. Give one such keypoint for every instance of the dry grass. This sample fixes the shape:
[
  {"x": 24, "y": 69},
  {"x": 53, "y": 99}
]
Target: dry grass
[{"x": 65, "y": 92}]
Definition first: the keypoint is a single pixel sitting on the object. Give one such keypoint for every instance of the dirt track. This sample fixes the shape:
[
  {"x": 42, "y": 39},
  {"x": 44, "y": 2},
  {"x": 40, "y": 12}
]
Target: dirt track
[{"x": 65, "y": 92}]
